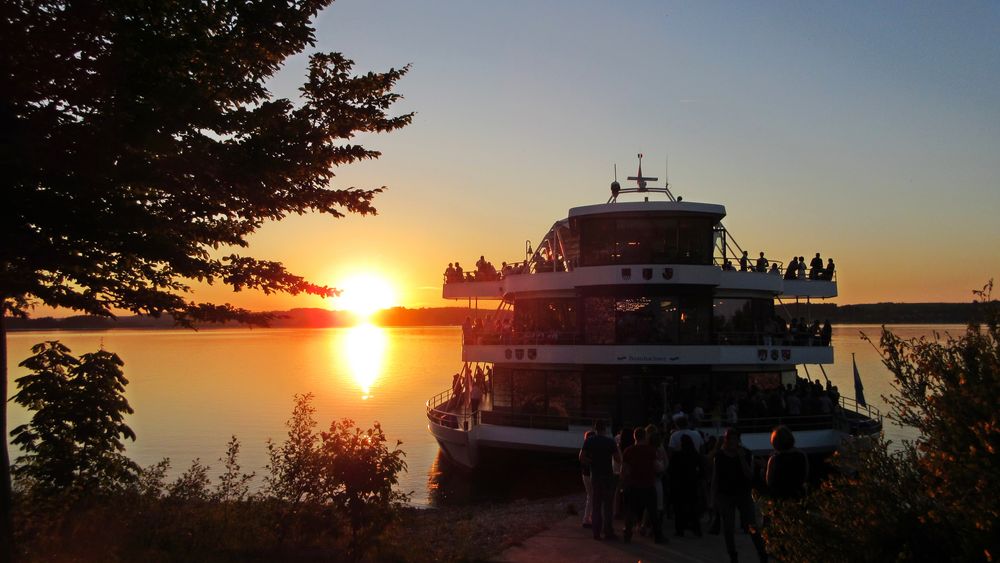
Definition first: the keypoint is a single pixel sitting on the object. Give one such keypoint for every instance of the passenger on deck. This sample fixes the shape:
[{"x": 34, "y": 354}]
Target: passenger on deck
[
  {"x": 467, "y": 330},
  {"x": 816, "y": 268},
  {"x": 480, "y": 377},
  {"x": 732, "y": 413},
  {"x": 793, "y": 404},
  {"x": 825, "y": 403},
  {"x": 681, "y": 422},
  {"x": 792, "y": 270},
  {"x": 728, "y": 265},
  {"x": 762, "y": 263},
  {"x": 449, "y": 273},
  {"x": 697, "y": 415},
  {"x": 801, "y": 274},
  {"x": 815, "y": 333},
  {"x": 826, "y": 333},
  {"x": 744, "y": 262},
  {"x": 828, "y": 274},
  {"x": 475, "y": 396},
  {"x": 775, "y": 270},
  {"x": 458, "y": 272}
]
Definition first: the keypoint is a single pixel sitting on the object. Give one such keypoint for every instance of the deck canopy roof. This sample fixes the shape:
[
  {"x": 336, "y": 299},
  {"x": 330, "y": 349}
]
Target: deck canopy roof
[{"x": 680, "y": 207}]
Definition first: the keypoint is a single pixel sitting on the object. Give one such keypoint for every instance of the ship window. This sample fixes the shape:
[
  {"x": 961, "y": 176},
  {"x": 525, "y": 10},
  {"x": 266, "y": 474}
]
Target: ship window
[
  {"x": 529, "y": 392},
  {"x": 599, "y": 319},
  {"x": 597, "y": 242},
  {"x": 645, "y": 239},
  {"x": 693, "y": 321},
  {"x": 740, "y": 320},
  {"x": 551, "y": 315},
  {"x": 600, "y": 395},
  {"x": 694, "y": 241},
  {"x": 563, "y": 389},
  {"x": 502, "y": 390},
  {"x": 645, "y": 320}
]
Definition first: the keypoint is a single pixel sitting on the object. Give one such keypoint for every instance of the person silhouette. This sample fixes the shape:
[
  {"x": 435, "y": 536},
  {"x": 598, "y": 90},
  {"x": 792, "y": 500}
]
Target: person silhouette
[
  {"x": 793, "y": 268},
  {"x": 816, "y": 267},
  {"x": 762, "y": 263}
]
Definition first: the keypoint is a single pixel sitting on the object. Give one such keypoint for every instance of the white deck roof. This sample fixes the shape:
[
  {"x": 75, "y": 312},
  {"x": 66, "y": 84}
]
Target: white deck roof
[{"x": 646, "y": 206}]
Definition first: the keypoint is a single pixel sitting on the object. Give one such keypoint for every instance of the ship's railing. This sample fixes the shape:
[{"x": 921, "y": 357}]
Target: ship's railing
[
  {"x": 735, "y": 263},
  {"x": 767, "y": 423},
  {"x": 842, "y": 416},
  {"x": 450, "y": 410},
  {"x": 850, "y": 404},
  {"x": 737, "y": 338},
  {"x": 512, "y": 268}
]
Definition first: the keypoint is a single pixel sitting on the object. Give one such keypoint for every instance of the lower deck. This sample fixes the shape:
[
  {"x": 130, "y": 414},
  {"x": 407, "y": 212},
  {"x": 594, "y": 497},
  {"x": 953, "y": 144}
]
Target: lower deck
[{"x": 508, "y": 406}]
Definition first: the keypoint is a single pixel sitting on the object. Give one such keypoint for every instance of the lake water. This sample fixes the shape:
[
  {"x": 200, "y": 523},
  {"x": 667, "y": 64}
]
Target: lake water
[{"x": 192, "y": 391}]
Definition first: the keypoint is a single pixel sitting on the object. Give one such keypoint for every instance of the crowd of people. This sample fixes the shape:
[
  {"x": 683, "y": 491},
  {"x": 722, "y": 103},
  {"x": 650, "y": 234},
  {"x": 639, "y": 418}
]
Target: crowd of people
[
  {"x": 777, "y": 332},
  {"x": 647, "y": 474},
  {"x": 485, "y": 271},
  {"x": 804, "y": 398},
  {"x": 795, "y": 270}
]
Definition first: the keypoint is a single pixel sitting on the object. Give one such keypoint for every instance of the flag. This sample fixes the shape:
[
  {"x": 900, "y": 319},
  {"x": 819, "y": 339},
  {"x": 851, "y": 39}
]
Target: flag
[{"x": 859, "y": 389}]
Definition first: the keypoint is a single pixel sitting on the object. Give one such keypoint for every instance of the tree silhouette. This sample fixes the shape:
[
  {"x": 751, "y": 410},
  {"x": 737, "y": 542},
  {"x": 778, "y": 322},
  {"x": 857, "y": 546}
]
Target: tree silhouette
[
  {"x": 140, "y": 142},
  {"x": 74, "y": 438}
]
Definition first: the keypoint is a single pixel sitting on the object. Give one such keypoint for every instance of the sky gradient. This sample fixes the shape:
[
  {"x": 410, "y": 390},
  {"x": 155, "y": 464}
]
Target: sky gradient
[{"x": 867, "y": 132}]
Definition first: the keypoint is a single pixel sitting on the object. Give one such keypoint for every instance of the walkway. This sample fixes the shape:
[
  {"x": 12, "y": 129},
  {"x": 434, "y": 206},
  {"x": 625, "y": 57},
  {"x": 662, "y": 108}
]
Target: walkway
[{"x": 567, "y": 540}]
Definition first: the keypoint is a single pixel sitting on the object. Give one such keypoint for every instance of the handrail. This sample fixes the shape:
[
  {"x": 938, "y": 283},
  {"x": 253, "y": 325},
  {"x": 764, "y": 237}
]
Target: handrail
[
  {"x": 460, "y": 419},
  {"x": 767, "y": 423},
  {"x": 851, "y": 404}
]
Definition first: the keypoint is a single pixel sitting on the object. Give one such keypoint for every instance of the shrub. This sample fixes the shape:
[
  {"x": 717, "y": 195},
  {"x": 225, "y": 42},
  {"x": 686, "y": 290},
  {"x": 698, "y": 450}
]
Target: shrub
[{"x": 935, "y": 499}]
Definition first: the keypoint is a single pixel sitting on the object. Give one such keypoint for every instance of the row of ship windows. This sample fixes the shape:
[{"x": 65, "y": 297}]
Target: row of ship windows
[{"x": 680, "y": 320}]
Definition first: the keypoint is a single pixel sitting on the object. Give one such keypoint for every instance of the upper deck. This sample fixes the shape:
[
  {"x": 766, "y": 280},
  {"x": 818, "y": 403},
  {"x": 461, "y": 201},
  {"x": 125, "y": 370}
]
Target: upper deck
[
  {"x": 644, "y": 243},
  {"x": 640, "y": 275}
]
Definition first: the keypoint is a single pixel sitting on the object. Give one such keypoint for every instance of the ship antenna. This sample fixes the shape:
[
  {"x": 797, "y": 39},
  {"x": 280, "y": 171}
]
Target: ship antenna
[
  {"x": 666, "y": 177},
  {"x": 640, "y": 179},
  {"x": 615, "y": 186}
]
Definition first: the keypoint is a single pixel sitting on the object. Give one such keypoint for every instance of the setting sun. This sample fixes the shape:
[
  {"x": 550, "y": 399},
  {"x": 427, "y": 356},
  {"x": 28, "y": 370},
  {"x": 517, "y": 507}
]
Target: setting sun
[{"x": 365, "y": 294}]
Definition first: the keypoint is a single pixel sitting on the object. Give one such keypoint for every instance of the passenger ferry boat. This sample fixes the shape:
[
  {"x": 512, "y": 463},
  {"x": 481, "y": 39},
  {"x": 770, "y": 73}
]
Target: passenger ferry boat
[{"x": 625, "y": 310}]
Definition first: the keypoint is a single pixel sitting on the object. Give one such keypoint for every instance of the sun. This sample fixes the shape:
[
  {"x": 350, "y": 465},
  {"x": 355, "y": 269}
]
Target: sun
[{"x": 364, "y": 294}]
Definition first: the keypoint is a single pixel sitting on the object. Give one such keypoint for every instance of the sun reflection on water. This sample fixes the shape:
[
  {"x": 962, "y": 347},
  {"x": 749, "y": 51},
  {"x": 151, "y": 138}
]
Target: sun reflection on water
[{"x": 364, "y": 347}]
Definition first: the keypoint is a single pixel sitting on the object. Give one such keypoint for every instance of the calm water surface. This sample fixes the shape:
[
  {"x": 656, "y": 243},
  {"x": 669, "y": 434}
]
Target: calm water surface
[{"x": 192, "y": 391}]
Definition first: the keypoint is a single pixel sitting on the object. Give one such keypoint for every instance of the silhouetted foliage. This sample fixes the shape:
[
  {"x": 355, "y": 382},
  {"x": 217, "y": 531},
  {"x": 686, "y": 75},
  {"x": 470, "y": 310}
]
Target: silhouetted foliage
[
  {"x": 74, "y": 439},
  {"x": 345, "y": 474},
  {"x": 327, "y": 496},
  {"x": 140, "y": 143},
  {"x": 935, "y": 499}
]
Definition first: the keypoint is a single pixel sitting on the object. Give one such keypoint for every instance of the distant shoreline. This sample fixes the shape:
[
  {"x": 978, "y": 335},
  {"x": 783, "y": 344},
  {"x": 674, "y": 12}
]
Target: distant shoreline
[{"x": 869, "y": 314}]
